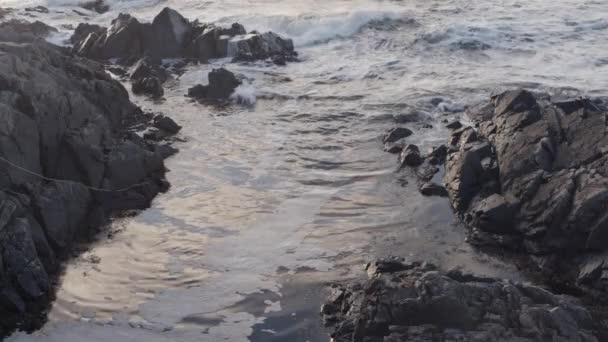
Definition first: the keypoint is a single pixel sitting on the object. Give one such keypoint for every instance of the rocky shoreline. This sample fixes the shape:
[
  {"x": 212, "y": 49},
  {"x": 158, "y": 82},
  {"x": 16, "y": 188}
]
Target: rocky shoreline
[
  {"x": 70, "y": 159},
  {"x": 529, "y": 178}
]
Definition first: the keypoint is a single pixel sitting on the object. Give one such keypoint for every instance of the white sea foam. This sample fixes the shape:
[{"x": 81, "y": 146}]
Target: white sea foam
[{"x": 244, "y": 94}]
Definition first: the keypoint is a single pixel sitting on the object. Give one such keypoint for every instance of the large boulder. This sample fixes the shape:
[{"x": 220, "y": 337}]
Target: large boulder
[
  {"x": 534, "y": 171},
  {"x": 418, "y": 302},
  {"x": 222, "y": 84},
  {"x": 67, "y": 161}
]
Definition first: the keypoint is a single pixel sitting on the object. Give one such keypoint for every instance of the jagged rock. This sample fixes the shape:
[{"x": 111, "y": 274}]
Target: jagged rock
[
  {"x": 418, "y": 302},
  {"x": 262, "y": 46},
  {"x": 148, "y": 67},
  {"x": 63, "y": 118},
  {"x": 397, "y": 134},
  {"x": 212, "y": 42},
  {"x": 150, "y": 86},
  {"x": 83, "y": 31},
  {"x": 222, "y": 84},
  {"x": 170, "y": 35},
  {"x": 535, "y": 170},
  {"x": 410, "y": 156},
  {"x": 393, "y": 148}
]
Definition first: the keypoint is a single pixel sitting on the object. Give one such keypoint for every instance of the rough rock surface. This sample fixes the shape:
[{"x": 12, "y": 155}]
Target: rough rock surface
[
  {"x": 417, "y": 302},
  {"x": 170, "y": 35},
  {"x": 222, "y": 84},
  {"x": 534, "y": 177},
  {"x": 24, "y": 31},
  {"x": 63, "y": 118}
]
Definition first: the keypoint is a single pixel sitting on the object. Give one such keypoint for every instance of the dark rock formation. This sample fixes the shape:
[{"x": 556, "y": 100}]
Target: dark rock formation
[
  {"x": 534, "y": 177},
  {"x": 23, "y": 31},
  {"x": 170, "y": 35},
  {"x": 98, "y": 6},
  {"x": 410, "y": 156},
  {"x": 166, "y": 124},
  {"x": 222, "y": 84},
  {"x": 397, "y": 134},
  {"x": 417, "y": 302},
  {"x": 433, "y": 189},
  {"x": 147, "y": 77},
  {"x": 63, "y": 118},
  {"x": 150, "y": 86}
]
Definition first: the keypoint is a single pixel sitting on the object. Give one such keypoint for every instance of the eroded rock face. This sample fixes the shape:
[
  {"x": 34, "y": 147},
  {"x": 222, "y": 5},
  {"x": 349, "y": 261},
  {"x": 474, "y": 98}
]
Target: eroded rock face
[
  {"x": 418, "y": 302},
  {"x": 64, "y": 118},
  {"x": 534, "y": 177},
  {"x": 170, "y": 35}
]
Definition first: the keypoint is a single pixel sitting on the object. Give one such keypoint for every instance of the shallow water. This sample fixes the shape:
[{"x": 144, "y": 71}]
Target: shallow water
[{"x": 271, "y": 201}]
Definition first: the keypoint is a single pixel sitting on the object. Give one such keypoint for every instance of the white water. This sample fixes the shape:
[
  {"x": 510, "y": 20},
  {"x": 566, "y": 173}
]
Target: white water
[{"x": 296, "y": 180}]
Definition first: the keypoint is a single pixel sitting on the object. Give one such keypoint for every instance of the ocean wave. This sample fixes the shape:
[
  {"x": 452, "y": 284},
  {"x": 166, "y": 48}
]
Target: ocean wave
[{"x": 312, "y": 29}]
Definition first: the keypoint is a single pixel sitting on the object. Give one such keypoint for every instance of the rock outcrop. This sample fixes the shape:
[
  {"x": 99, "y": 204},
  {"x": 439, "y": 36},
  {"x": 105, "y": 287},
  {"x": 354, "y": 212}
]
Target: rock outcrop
[
  {"x": 170, "y": 35},
  {"x": 67, "y": 161},
  {"x": 533, "y": 177},
  {"x": 222, "y": 84},
  {"x": 417, "y": 302}
]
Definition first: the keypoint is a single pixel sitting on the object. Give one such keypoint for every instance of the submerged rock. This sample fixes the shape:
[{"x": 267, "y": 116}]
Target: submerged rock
[
  {"x": 536, "y": 171},
  {"x": 418, "y": 302},
  {"x": 222, "y": 84},
  {"x": 170, "y": 35},
  {"x": 63, "y": 118},
  {"x": 98, "y": 6}
]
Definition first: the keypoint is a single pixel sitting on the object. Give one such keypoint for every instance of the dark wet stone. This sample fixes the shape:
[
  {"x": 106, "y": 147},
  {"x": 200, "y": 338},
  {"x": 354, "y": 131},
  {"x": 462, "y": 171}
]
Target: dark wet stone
[
  {"x": 166, "y": 124},
  {"x": 170, "y": 35},
  {"x": 454, "y": 125},
  {"x": 433, "y": 189},
  {"x": 410, "y": 156},
  {"x": 536, "y": 171},
  {"x": 222, "y": 84},
  {"x": 417, "y": 302},
  {"x": 150, "y": 86},
  {"x": 397, "y": 134},
  {"x": 71, "y": 126}
]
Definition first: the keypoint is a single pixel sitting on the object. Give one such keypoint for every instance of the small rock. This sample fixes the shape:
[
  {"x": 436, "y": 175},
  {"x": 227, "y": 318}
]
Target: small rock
[
  {"x": 166, "y": 124},
  {"x": 397, "y": 134},
  {"x": 148, "y": 85},
  {"x": 410, "y": 156},
  {"x": 433, "y": 189},
  {"x": 454, "y": 125}
]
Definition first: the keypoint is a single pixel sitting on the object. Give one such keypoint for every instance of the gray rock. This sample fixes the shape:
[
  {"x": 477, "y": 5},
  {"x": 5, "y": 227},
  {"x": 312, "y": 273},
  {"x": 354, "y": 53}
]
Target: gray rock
[
  {"x": 397, "y": 134},
  {"x": 536, "y": 170},
  {"x": 417, "y": 302},
  {"x": 222, "y": 84},
  {"x": 150, "y": 86},
  {"x": 65, "y": 119},
  {"x": 166, "y": 124},
  {"x": 170, "y": 35},
  {"x": 410, "y": 156},
  {"x": 433, "y": 189}
]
